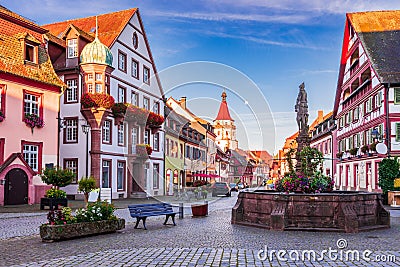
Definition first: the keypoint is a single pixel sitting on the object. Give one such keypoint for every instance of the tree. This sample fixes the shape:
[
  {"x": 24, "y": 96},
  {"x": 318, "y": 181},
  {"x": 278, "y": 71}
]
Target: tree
[
  {"x": 57, "y": 177},
  {"x": 388, "y": 171},
  {"x": 86, "y": 185},
  {"x": 311, "y": 160}
]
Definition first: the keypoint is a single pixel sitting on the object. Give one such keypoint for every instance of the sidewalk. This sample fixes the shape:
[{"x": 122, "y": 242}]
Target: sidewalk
[{"x": 118, "y": 203}]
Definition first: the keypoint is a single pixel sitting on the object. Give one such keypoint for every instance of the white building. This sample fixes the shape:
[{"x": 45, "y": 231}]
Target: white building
[{"x": 133, "y": 80}]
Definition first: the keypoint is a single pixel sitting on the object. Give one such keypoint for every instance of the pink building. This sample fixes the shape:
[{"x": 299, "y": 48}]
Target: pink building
[
  {"x": 367, "y": 98},
  {"x": 29, "y": 88}
]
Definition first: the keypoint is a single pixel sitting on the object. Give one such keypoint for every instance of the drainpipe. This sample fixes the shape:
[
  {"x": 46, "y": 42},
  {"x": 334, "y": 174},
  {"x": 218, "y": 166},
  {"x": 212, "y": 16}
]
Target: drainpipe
[
  {"x": 63, "y": 89},
  {"x": 388, "y": 137}
]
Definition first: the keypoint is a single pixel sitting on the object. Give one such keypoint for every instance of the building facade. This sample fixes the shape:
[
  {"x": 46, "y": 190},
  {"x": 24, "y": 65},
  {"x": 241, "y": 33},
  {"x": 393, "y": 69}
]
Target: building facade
[
  {"x": 29, "y": 101},
  {"x": 132, "y": 79},
  {"x": 367, "y": 98}
]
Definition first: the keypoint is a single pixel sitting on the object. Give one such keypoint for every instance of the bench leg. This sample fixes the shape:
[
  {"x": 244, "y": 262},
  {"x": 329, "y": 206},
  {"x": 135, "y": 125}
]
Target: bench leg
[
  {"x": 173, "y": 219},
  {"x": 144, "y": 223},
  {"x": 166, "y": 219},
  {"x": 137, "y": 222}
]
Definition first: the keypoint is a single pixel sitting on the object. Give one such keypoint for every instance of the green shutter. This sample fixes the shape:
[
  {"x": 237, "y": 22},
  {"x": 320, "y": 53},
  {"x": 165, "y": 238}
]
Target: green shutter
[
  {"x": 397, "y": 132},
  {"x": 397, "y": 95}
]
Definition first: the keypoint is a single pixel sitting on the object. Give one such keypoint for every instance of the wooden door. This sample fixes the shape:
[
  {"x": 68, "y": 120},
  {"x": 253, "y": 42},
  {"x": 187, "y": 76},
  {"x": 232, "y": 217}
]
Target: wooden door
[{"x": 16, "y": 187}]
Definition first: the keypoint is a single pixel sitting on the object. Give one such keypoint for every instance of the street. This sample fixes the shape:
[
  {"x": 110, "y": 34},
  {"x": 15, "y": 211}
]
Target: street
[{"x": 210, "y": 241}]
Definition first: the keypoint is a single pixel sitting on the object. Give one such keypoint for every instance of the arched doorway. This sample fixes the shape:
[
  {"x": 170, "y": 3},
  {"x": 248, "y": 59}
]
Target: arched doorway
[{"x": 16, "y": 187}]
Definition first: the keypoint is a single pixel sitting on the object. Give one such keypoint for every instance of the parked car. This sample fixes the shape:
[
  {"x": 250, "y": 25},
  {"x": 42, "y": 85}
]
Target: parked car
[
  {"x": 234, "y": 187},
  {"x": 240, "y": 185},
  {"x": 220, "y": 188}
]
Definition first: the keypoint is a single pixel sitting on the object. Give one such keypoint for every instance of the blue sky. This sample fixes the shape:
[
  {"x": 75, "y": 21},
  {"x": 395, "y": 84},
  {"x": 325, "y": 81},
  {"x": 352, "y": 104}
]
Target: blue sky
[{"x": 276, "y": 44}]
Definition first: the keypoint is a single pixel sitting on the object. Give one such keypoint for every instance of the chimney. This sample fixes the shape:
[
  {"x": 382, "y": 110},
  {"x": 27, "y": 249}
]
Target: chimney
[{"x": 182, "y": 102}]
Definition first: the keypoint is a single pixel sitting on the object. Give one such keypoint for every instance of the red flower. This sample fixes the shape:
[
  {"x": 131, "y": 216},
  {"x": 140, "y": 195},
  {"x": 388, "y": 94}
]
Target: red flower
[{"x": 97, "y": 100}]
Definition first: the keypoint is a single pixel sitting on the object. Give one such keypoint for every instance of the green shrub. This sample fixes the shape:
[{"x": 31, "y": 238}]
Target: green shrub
[
  {"x": 96, "y": 211},
  {"x": 55, "y": 193},
  {"x": 57, "y": 177}
]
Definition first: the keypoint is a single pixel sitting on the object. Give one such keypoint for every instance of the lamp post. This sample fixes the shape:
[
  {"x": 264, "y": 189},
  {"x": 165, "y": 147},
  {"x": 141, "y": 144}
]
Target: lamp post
[
  {"x": 86, "y": 129},
  {"x": 219, "y": 168}
]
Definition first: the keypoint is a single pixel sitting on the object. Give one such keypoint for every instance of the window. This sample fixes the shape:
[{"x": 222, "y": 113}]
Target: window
[
  {"x": 90, "y": 88},
  {"x": 31, "y": 104},
  {"x": 29, "y": 53},
  {"x": 32, "y": 153},
  {"x": 181, "y": 151},
  {"x": 71, "y": 130},
  {"x": 156, "y": 108},
  {"x": 121, "y": 135},
  {"x": 135, "y": 69},
  {"x": 146, "y": 103},
  {"x": 107, "y": 132},
  {"x": 72, "y": 48},
  {"x": 2, "y": 142},
  {"x": 72, "y": 165},
  {"x": 167, "y": 147},
  {"x": 356, "y": 113},
  {"x": 147, "y": 137},
  {"x": 105, "y": 177},
  {"x": 146, "y": 75},
  {"x": 146, "y": 174},
  {"x": 156, "y": 142},
  {"x": 90, "y": 76},
  {"x": 134, "y": 99},
  {"x": 135, "y": 40},
  {"x": 121, "y": 61},
  {"x": 99, "y": 88},
  {"x": 120, "y": 175},
  {"x": 121, "y": 94},
  {"x": 72, "y": 91},
  {"x": 135, "y": 134},
  {"x": 99, "y": 77},
  {"x": 378, "y": 100},
  {"x": 156, "y": 173}
]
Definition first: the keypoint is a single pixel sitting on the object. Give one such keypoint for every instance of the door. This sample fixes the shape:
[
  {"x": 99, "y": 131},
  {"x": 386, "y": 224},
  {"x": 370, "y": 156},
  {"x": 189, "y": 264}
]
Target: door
[{"x": 16, "y": 188}]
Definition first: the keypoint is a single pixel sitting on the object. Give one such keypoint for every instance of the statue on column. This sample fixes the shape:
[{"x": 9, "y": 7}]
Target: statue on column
[{"x": 301, "y": 108}]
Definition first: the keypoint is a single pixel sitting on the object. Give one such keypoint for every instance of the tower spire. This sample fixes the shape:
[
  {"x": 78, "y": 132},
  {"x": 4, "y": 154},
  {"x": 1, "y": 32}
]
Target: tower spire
[
  {"x": 223, "y": 96},
  {"x": 97, "y": 27}
]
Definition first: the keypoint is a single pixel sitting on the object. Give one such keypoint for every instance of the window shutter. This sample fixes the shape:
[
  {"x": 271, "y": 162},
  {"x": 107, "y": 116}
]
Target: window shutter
[
  {"x": 397, "y": 132},
  {"x": 397, "y": 95}
]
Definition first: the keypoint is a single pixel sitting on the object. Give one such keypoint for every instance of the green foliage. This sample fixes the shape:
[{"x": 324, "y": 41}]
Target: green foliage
[
  {"x": 388, "y": 171},
  {"x": 311, "y": 160},
  {"x": 289, "y": 156},
  {"x": 96, "y": 211},
  {"x": 57, "y": 177},
  {"x": 55, "y": 193},
  {"x": 86, "y": 184}
]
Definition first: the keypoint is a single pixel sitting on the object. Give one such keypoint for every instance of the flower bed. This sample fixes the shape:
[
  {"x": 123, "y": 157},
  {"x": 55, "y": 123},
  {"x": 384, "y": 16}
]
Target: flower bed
[{"x": 97, "y": 218}]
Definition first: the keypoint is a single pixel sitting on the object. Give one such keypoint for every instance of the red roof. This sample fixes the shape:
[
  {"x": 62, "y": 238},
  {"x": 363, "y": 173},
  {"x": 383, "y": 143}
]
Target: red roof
[
  {"x": 110, "y": 25},
  {"x": 223, "y": 113}
]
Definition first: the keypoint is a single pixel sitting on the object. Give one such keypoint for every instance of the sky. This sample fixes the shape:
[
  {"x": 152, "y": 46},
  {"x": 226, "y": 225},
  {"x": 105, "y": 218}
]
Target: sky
[{"x": 271, "y": 47}]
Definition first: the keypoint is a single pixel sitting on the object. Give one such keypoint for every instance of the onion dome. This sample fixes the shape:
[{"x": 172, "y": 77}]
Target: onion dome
[{"x": 96, "y": 52}]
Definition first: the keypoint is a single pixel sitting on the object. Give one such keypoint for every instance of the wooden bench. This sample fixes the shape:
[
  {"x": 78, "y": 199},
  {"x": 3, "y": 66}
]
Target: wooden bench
[{"x": 142, "y": 211}]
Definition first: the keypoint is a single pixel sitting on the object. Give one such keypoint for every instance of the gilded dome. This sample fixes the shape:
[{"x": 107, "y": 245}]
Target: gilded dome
[{"x": 96, "y": 52}]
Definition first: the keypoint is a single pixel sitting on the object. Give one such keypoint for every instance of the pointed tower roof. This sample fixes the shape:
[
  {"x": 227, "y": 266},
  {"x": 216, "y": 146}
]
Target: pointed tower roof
[{"x": 223, "y": 113}]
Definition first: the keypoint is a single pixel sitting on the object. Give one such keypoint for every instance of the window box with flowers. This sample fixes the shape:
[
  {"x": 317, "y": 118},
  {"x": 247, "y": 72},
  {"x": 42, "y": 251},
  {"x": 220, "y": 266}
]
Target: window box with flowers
[
  {"x": 143, "y": 150},
  {"x": 33, "y": 120},
  {"x": 98, "y": 218},
  {"x": 2, "y": 117},
  {"x": 97, "y": 100},
  {"x": 136, "y": 114},
  {"x": 154, "y": 121}
]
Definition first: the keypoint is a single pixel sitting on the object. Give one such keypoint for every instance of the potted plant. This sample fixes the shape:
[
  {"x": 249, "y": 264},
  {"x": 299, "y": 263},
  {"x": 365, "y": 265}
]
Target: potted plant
[
  {"x": 364, "y": 149},
  {"x": 56, "y": 177},
  {"x": 97, "y": 100},
  {"x": 86, "y": 185},
  {"x": 118, "y": 110},
  {"x": 199, "y": 210},
  {"x": 33, "y": 120},
  {"x": 353, "y": 151},
  {"x": 97, "y": 218},
  {"x": 372, "y": 147},
  {"x": 339, "y": 155}
]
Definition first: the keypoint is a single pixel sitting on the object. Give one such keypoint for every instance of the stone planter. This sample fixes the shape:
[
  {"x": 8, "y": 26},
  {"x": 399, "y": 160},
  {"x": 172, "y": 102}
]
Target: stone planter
[
  {"x": 50, "y": 233},
  {"x": 199, "y": 210},
  {"x": 340, "y": 211}
]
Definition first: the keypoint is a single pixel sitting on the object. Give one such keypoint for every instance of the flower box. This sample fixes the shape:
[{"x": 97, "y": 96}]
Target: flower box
[
  {"x": 50, "y": 233},
  {"x": 199, "y": 210}
]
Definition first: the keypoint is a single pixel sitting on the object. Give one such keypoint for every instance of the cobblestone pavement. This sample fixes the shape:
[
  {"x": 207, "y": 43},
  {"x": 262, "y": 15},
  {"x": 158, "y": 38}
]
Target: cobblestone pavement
[{"x": 210, "y": 241}]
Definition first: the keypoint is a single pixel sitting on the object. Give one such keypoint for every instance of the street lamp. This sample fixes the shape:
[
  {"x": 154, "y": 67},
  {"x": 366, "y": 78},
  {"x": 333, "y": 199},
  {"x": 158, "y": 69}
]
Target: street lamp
[
  {"x": 86, "y": 129},
  {"x": 375, "y": 134}
]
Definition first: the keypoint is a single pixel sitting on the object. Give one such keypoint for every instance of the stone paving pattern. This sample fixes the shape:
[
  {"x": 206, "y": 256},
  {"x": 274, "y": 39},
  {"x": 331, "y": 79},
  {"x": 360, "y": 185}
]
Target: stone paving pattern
[{"x": 210, "y": 241}]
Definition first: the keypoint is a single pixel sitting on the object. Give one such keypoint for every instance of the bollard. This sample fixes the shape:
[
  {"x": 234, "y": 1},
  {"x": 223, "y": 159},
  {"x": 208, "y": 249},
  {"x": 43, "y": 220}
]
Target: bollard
[
  {"x": 180, "y": 210},
  {"x": 206, "y": 203}
]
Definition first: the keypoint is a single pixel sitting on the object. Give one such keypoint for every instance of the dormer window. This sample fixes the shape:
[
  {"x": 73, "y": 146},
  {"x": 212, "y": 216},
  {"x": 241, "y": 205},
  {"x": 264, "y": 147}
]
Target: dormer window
[
  {"x": 29, "y": 53},
  {"x": 72, "y": 48}
]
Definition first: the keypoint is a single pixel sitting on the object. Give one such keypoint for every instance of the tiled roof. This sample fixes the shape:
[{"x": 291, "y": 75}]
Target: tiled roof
[
  {"x": 8, "y": 12},
  {"x": 109, "y": 25},
  {"x": 12, "y": 61},
  {"x": 379, "y": 33},
  {"x": 55, "y": 39}
]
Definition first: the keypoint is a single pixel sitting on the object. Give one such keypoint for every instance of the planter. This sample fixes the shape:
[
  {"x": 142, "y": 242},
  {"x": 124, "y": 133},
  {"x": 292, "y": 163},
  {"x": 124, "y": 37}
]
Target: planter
[
  {"x": 53, "y": 203},
  {"x": 199, "y": 210},
  {"x": 50, "y": 233},
  {"x": 339, "y": 211},
  {"x": 118, "y": 120}
]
